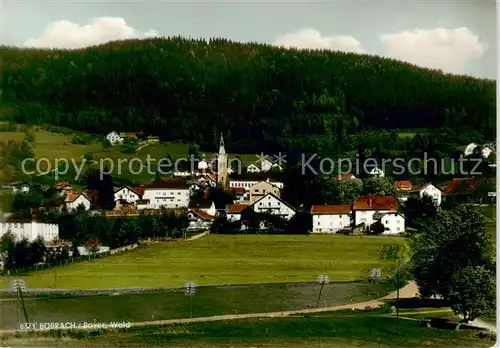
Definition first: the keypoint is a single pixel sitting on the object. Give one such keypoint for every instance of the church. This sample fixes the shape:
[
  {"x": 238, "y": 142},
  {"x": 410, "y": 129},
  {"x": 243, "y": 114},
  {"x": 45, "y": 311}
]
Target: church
[{"x": 222, "y": 165}]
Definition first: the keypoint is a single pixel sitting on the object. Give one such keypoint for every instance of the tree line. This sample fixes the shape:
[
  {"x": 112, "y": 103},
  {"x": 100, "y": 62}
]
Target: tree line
[{"x": 182, "y": 89}]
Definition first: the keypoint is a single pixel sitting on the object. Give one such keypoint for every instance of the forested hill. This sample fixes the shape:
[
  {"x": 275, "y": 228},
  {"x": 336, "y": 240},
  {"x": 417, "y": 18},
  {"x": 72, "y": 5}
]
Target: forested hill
[{"x": 262, "y": 97}]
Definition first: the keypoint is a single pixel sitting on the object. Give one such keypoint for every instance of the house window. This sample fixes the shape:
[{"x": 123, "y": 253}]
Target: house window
[
  {"x": 318, "y": 223},
  {"x": 398, "y": 221},
  {"x": 398, "y": 229}
]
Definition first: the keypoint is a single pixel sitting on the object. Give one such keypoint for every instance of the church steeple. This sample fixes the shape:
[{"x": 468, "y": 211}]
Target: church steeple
[{"x": 222, "y": 150}]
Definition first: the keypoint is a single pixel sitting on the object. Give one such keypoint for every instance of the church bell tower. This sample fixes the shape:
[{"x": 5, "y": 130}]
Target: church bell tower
[{"x": 222, "y": 171}]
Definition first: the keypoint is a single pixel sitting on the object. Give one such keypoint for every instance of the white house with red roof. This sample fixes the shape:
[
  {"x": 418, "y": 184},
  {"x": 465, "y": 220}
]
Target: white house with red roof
[
  {"x": 428, "y": 190},
  {"x": 330, "y": 218},
  {"x": 129, "y": 194},
  {"x": 233, "y": 211},
  {"x": 172, "y": 193},
  {"x": 370, "y": 209},
  {"x": 74, "y": 200}
]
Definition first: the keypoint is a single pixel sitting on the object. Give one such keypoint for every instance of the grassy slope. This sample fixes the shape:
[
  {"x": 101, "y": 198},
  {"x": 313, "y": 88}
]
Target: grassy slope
[
  {"x": 207, "y": 301},
  {"x": 226, "y": 259},
  {"x": 52, "y": 146},
  {"x": 318, "y": 331}
]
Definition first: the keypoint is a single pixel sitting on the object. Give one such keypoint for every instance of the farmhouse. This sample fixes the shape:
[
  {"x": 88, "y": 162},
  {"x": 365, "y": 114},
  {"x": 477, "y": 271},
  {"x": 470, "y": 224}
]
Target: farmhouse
[
  {"x": 330, "y": 218},
  {"x": 272, "y": 204},
  {"x": 393, "y": 222},
  {"x": 428, "y": 190},
  {"x": 365, "y": 207},
  {"x": 253, "y": 168},
  {"x": 199, "y": 219},
  {"x": 74, "y": 200},
  {"x": 205, "y": 205},
  {"x": 488, "y": 149},
  {"x": 114, "y": 138},
  {"x": 129, "y": 194},
  {"x": 29, "y": 228},
  {"x": 262, "y": 188},
  {"x": 346, "y": 176},
  {"x": 233, "y": 211},
  {"x": 167, "y": 193}
]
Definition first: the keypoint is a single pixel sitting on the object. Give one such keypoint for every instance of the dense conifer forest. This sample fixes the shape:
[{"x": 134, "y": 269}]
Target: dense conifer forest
[{"x": 262, "y": 97}]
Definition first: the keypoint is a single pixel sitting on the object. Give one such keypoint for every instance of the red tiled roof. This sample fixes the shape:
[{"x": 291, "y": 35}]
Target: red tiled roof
[
  {"x": 343, "y": 176},
  {"x": 91, "y": 194},
  {"x": 375, "y": 203},
  {"x": 403, "y": 185},
  {"x": 202, "y": 214},
  {"x": 331, "y": 209},
  {"x": 461, "y": 186},
  {"x": 72, "y": 196},
  {"x": 138, "y": 190},
  {"x": 238, "y": 189},
  {"x": 236, "y": 208}
]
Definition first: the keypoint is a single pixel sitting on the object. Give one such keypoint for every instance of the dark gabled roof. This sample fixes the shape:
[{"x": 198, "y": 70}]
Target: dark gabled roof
[
  {"x": 203, "y": 215},
  {"x": 200, "y": 204},
  {"x": 272, "y": 176},
  {"x": 137, "y": 190},
  {"x": 168, "y": 184},
  {"x": 273, "y": 195}
]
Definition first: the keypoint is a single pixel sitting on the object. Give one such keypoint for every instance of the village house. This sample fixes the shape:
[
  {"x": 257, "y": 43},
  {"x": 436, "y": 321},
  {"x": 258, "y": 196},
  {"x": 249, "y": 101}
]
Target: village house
[
  {"x": 199, "y": 219},
  {"x": 30, "y": 228},
  {"x": 64, "y": 188},
  {"x": 262, "y": 188},
  {"x": 20, "y": 187},
  {"x": 272, "y": 204},
  {"x": 469, "y": 149},
  {"x": 74, "y": 200},
  {"x": 253, "y": 168},
  {"x": 248, "y": 180},
  {"x": 429, "y": 190},
  {"x": 129, "y": 135},
  {"x": 376, "y": 172},
  {"x": 114, "y": 138},
  {"x": 346, "y": 176},
  {"x": 129, "y": 194},
  {"x": 330, "y": 218},
  {"x": 461, "y": 189},
  {"x": 167, "y": 193},
  {"x": 365, "y": 207},
  {"x": 233, "y": 211},
  {"x": 204, "y": 205}
]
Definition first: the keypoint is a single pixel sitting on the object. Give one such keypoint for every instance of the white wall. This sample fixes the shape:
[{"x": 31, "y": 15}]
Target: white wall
[
  {"x": 233, "y": 216},
  {"x": 433, "y": 192},
  {"x": 126, "y": 194},
  {"x": 31, "y": 230},
  {"x": 168, "y": 198},
  {"x": 81, "y": 200},
  {"x": 394, "y": 222},
  {"x": 366, "y": 216},
  {"x": 82, "y": 250},
  {"x": 246, "y": 184},
  {"x": 269, "y": 204},
  {"x": 330, "y": 223},
  {"x": 469, "y": 150}
]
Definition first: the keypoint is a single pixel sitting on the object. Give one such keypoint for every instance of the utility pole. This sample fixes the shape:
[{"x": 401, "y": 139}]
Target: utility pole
[
  {"x": 20, "y": 287},
  {"x": 322, "y": 279}
]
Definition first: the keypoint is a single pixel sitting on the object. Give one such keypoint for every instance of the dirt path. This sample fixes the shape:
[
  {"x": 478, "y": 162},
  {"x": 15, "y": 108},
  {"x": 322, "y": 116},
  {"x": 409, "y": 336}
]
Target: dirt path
[{"x": 407, "y": 291}]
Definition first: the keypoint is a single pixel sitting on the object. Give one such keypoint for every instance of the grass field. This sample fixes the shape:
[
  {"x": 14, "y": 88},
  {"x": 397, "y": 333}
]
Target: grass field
[
  {"x": 174, "y": 304},
  {"x": 225, "y": 259},
  {"x": 317, "y": 331}
]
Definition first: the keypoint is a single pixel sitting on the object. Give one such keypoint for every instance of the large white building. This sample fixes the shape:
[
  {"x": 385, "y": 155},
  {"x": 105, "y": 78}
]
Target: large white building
[
  {"x": 330, "y": 218},
  {"x": 129, "y": 194},
  {"x": 74, "y": 200},
  {"x": 273, "y": 205},
  {"x": 262, "y": 188},
  {"x": 29, "y": 228},
  {"x": 247, "y": 181},
  {"x": 169, "y": 194}
]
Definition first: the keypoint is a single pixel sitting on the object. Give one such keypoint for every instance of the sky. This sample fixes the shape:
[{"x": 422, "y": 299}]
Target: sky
[{"x": 455, "y": 36}]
